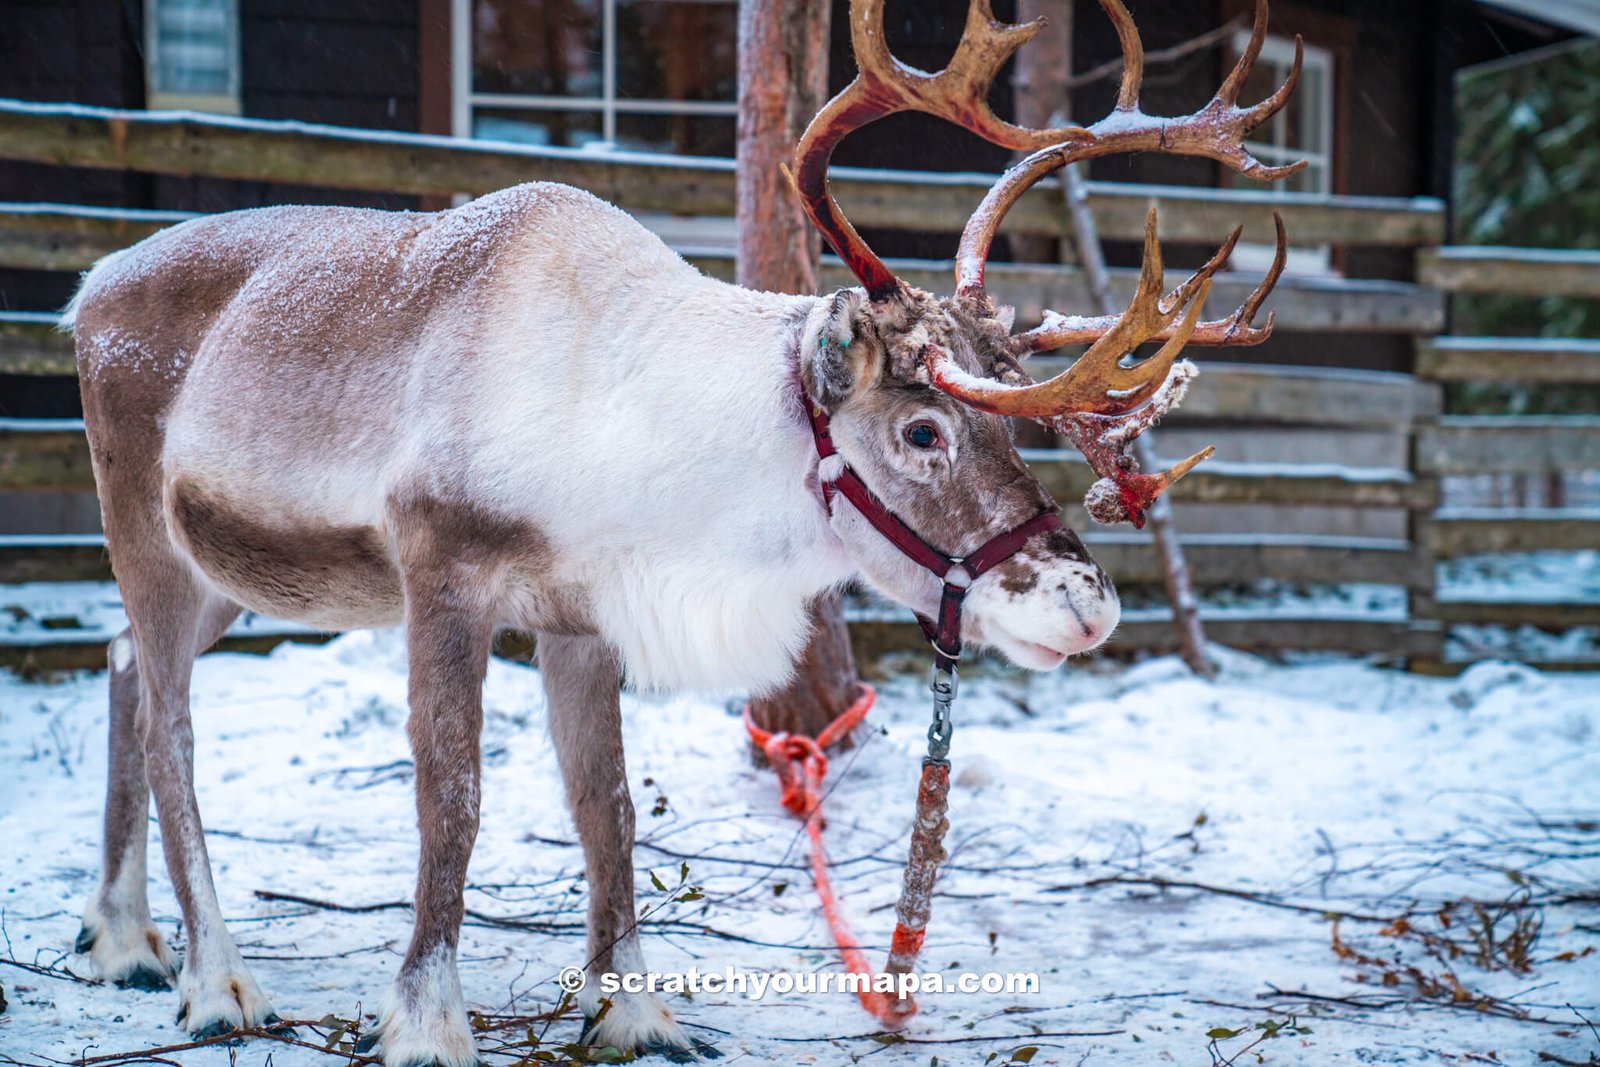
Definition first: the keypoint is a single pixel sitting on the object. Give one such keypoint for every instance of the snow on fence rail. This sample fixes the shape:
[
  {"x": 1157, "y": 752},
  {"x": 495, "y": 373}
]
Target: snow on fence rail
[
  {"x": 1521, "y": 271},
  {"x": 53, "y": 455},
  {"x": 184, "y": 143},
  {"x": 1566, "y": 361},
  {"x": 66, "y": 237}
]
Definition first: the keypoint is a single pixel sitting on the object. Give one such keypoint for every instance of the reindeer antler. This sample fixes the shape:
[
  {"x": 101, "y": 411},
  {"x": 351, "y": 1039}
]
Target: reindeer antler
[
  {"x": 1097, "y": 401},
  {"x": 885, "y": 86},
  {"x": 1098, "y": 382},
  {"x": 1237, "y": 329}
]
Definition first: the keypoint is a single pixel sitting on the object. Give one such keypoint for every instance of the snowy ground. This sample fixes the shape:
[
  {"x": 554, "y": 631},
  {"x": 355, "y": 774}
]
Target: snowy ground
[{"x": 1327, "y": 785}]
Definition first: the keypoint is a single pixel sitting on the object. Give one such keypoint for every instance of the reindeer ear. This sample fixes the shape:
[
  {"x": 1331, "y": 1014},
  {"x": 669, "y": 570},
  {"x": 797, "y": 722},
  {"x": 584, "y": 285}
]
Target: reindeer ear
[
  {"x": 1006, "y": 316},
  {"x": 839, "y": 349}
]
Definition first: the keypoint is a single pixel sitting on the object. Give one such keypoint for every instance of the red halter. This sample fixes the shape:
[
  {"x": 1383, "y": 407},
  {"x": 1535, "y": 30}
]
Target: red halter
[{"x": 957, "y": 573}]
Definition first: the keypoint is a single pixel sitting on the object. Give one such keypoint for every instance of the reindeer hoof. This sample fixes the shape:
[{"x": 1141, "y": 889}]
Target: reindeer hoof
[
  {"x": 388, "y": 1041},
  {"x": 218, "y": 1028},
  {"x": 694, "y": 1053},
  {"x": 128, "y": 955},
  {"x": 668, "y": 1042},
  {"x": 217, "y": 1003},
  {"x": 149, "y": 979}
]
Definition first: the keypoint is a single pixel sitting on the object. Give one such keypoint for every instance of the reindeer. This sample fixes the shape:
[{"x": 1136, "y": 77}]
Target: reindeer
[{"x": 528, "y": 412}]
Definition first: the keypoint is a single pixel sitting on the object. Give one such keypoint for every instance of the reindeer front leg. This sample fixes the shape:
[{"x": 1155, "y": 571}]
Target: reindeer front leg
[
  {"x": 581, "y": 676},
  {"x": 449, "y": 629}
]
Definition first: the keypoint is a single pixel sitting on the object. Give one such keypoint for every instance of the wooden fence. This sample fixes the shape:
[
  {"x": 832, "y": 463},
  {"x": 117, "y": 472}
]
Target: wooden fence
[{"x": 51, "y": 455}]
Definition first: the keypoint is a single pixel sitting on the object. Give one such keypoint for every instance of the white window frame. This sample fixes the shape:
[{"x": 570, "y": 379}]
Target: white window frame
[
  {"x": 225, "y": 103},
  {"x": 1319, "y": 62},
  {"x": 464, "y": 100}
]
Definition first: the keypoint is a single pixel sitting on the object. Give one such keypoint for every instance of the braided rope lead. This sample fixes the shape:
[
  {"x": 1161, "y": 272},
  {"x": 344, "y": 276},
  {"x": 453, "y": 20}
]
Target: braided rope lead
[
  {"x": 922, "y": 871},
  {"x": 801, "y": 766}
]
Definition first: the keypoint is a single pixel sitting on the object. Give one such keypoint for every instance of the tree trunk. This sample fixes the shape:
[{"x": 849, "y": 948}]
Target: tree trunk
[{"x": 783, "y": 81}]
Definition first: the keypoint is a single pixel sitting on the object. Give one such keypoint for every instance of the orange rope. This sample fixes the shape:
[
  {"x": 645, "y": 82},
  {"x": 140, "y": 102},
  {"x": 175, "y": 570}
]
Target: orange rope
[{"x": 801, "y": 765}]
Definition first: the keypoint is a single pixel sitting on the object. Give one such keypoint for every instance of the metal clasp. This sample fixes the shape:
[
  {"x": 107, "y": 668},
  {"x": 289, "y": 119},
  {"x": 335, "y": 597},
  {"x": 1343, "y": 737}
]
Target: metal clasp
[{"x": 944, "y": 683}]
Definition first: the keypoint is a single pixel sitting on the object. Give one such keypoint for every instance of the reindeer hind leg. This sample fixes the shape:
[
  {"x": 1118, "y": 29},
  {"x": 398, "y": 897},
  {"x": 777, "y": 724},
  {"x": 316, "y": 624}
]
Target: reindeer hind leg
[
  {"x": 117, "y": 932},
  {"x": 174, "y": 617}
]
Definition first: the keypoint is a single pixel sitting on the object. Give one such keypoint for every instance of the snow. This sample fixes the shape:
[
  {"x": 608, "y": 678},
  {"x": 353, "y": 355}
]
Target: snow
[
  {"x": 1524, "y": 576},
  {"x": 1330, "y": 785},
  {"x": 42, "y": 612}
]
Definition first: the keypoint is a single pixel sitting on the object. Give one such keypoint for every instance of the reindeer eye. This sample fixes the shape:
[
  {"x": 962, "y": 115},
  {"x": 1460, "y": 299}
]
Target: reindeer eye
[{"x": 922, "y": 434}]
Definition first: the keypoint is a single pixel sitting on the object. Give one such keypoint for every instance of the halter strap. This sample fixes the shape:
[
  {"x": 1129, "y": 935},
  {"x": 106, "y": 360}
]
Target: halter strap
[{"x": 957, "y": 573}]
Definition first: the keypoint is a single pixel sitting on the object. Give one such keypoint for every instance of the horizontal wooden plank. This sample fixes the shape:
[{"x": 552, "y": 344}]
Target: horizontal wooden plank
[
  {"x": 1528, "y": 271},
  {"x": 69, "y": 651},
  {"x": 31, "y": 344},
  {"x": 53, "y": 558},
  {"x": 340, "y": 157},
  {"x": 1544, "y": 614},
  {"x": 1128, "y": 558},
  {"x": 52, "y": 454},
  {"x": 1207, "y": 215},
  {"x": 1303, "y": 304},
  {"x": 1233, "y": 559},
  {"x": 1065, "y": 473},
  {"x": 1487, "y": 444},
  {"x": 1510, "y": 359},
  {"x": 44, "y": 454},
  {"x": 1298, "y": 396},
  {"x": 71, "y": 237},
  {"x": 881, "y": 633},
  {"x": 1470, "y": 531},
  {"x": 1307, "y": 304},
  {"x": 875, "y": 635}
]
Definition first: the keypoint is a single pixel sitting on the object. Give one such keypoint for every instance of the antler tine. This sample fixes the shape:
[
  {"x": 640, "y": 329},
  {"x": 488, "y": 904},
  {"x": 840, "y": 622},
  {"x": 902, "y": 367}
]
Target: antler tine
[
  {"x": 1216, "y": 131},
  {"x": 1097, "y": 382},
  {"x": 1252, "y": 167},
  {"x": 1132, "y": 54},
  {"x": 1236, "y": 330},
  {"x": 1242, "y": 318},
  {"x": 884, "y": 86},
  {"x": 1186, "y": 288},
  {"x": 1233, "y": 84}
]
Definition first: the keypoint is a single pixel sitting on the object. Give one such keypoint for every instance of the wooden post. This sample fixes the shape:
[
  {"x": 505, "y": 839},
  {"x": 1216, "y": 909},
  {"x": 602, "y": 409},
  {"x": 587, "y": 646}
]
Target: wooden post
[
  {"x": 1040, "y": 81},
  {"x": 783, "y": 81}
]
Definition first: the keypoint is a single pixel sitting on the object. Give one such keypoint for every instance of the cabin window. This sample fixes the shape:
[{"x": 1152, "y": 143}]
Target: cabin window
[
  {"x": 638, "y": 75},
  {"x": 1303, "y": 129},
  {"x": 192, "y": 55}
]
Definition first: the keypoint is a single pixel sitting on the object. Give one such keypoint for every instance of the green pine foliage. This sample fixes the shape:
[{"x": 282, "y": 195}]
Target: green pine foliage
[{"x": 1528, "y": 174}]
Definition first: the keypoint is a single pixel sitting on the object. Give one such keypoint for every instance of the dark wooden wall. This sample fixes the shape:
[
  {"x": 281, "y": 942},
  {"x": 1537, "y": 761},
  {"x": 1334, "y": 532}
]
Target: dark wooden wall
[
  {"x": 345, "y": 62},
  {"x": 384, "y": 64},
  {"x": 341, "y": 62},
  {"x": 88, "y": 52}
]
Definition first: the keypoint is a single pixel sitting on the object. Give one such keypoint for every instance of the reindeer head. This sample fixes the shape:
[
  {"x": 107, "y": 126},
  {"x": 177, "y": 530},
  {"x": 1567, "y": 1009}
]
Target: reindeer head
[{"x": 918, "y": 387}]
